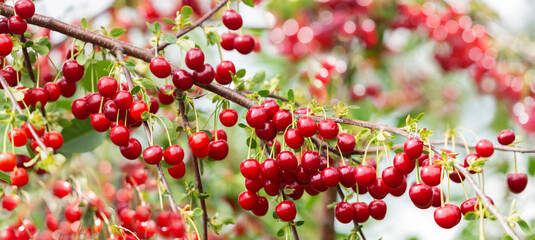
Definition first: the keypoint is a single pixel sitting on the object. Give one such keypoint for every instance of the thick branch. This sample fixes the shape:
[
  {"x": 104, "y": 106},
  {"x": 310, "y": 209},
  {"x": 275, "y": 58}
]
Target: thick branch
[
  {"x": 198, "y": 180},
  {"x": 128, "y": 77},
  {"x": 197, "y": 23}
]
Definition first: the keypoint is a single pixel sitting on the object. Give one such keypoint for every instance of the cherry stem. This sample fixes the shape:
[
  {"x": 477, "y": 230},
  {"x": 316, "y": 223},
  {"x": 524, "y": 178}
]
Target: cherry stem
[
  {"x": 514, "y": 156},
  {"x": 441, "y": 185},
  {"x": 5, "y": 137},
  {"x": 165, "y": 127}
]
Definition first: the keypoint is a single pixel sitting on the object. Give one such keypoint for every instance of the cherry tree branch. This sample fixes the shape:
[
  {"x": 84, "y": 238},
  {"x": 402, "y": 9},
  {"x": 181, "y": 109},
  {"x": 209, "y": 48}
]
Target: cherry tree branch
[
  {"x": 197, "y": 23},
  {"x": 19, "y": 110},
  {"x": 147, "y": 54},
  {"x": 198, "y": 180},
  {"x": 172, "y": 202}
]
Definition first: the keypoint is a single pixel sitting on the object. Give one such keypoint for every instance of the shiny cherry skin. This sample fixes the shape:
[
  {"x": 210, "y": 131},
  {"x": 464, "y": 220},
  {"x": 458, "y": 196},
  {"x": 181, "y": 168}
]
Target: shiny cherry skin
[
  {"x": 244, "y": 44},
  {"x": 61, "y": 188},
  {"x": 447, "y": 216},
  {"x": 484, "y": 148},
  {"x": 153, "y": 154},
  {"x": 310, "y": 161},
  {"x": 67, "y": 89},
  {"x": 266, "y": 133},
  {"x": 53, "y": 139},
  {"x": 218, "y": 149},
  {"x": 25, "y": 8},
  {"x": 343, "y": 212},
  {"x": 431, "y": 174},
  {"x": 232, "y": 19},
  {"x": 199, "y": 140},
  {"x": 17, "y": 25},
  {"x": 19, "y": 177},
  {"x": 228, "y": 117},
  {"x": 282, "y": 119},
  {"x": 377, "y": 209},
  {"x": 346, "y": 142},
  {"x": 250, "y": 168},
  {"x": 365, "y": 175},
  {"x": 307, "y": 126},
  {"x": 73, "y": 213},
  {"x": 286, "y": 211},
  {"x": 17, "y": 137},
  {"x": 227, "y": 41},
  {"x": 72, "y": 71},
  {"x": 6, "y": 45},
  {"x": 327, "y": 129},
  {"x": 413, "y": 147},
  {"x": 378, "y": 189},
  {"x": 53, "y": 92},
  {"x": 164, "y": 98},
  {"x": 8, "y": 161},
  {"x": 99, "y": 122},
  {"x": 159, "y": 67},
  {"x": 287, "y": 161},
  {"x": 506, "y": 137},
  {"x": 107, "y": 86},
  {"x": 293, "y": 138},
  {"x": 517, "y": 182},
  {"x": 347, "y": 176},
  {"x": 269, "y": 169},
  {"x": 173, "y": 155},
  {"x": 421, "y": 195},
  {"x": 248, "y": 200},
  {"x": 330, "y": 177},
  {"x": 437, "y": 195},
  {"x": 137, "y": 109},
  {"x": 262, "y": 206},
  {"x": 392, "y": 177},
  {"x": 271, "y": 108},
  {"x": 361, "y": 212},
  {"x": 119, "y": 135},
  {"x": 223, "y": 71},
  {"x": 182, "y": 79},
  {"x": 195, "y": 59},
  {"x": 177, "y": 171},
  {"x": 205, "y": 75},
  {"x": 39, "y": 97},
  {"x": 123, "y": 99},
  {"x": 398, "y": 192},
  {"x": 132, "y": 150},
  {"x": 10, "y": 202},
  {"x": 256, "y": 117}
]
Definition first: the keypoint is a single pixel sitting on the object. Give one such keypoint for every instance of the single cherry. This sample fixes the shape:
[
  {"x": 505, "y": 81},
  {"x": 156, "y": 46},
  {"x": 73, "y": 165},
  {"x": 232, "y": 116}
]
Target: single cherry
[
  {"x": 365, "y": 175},
  {"x": 431, "y": 174},
  {"x": 25, "y": 8},
  {"x": 228, "y": 117},
  {"x": 484, "y": 148},
  {"x": 293, "y": 138},
  {"x": 224, "y": 70},
  {"x": 517, "y": 182},
  {"x": 287, "y": 161},
  {"x": 248, "y": 200},
  {"x": 330, "y": 177},
  {"x": 282, "y": 119},
  {"x": 307, "y": 126},
  {"x": 377, "y": 209},
  {"x": 61, "y": 188},
  {"x": 177, "y": 171},
  {"x": 137, "y": 109},
  {"x": 343, "y": 212},
  {"x": 232, "y": 19},
  {"x": 286, "y": 211},
  {"x": 413, "y": 147},
  {"x": 182, "y": 79},
  {"x": 244, "y": 44},
  {"x": 199, "y": 140},
  {"x": 392, "y": 177},
  {"x": 421, "y": 195},
  {"x": 153, "y": 154},
  {"x": 327, "y": 129},
  {"x": 160, "y": 67},
  {"x": 132, "y": 150},
  {"x": 447, "y": 216},
  {"x": 361, "y": 212},
  {"x": 119, "y": 135},
  {"x": 195, "y": 59},
  {"x": 72, "y": 71},
  {"x": 173, "y": 155},
  {"x": 250, "y": 168},
  {"x": 506, "y": 137},
  {"x": 256, "y": 117}
]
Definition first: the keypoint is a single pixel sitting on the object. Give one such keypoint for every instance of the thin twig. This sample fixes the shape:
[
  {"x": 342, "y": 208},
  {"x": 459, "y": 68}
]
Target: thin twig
[{"x": 198, "y": 180}]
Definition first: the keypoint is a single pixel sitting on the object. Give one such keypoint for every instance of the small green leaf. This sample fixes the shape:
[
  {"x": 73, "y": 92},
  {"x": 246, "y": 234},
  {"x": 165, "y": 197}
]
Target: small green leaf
[
  {"x": 524, "y": 226},
  {"x": 80, "y": 137},
  {"x": 291, "y": 95},
  {"x": 130, "y": 64},
  {"x": 117, "y": 32},
  {"x": 148, "y": 83},
  {"x": 531, "y": 166},
  {"x": 299, "y": 223},
  {"x": 251, "y": 142},
  {"x": 281, "y": 232},
  {"x": 398, "y": 150},
  {"x": 263, "y": 93},
  {"x": 169, "y": 38},
  {"x": 240, "y": 73},
  {"x": 151, "y": 28},
  {"x": 135, "y": 90},
  {"x": 249, "y": 3},
  {"x": 470, "y": 216},
  {"x": 22, "y": 117},
  {"x": 197, "y": 212},
  {"x": 168, "y": 21},
  {"x": 213, "y": 37},
  {"x": 185, "y": 44},
  {"x": 81, "y": 58},
  {"x": 5, "y": 177},
  {"x": 83, "y": 23},
  {"x": 186, "y": 12},
  {"x": 145, "y": 116},
  {"x": 166, "y": 121},
  {"x": 259, "y": 76}
]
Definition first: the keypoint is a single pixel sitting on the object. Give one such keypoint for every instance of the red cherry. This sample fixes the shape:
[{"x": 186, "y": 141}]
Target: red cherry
[
  {"x": 421, "y": 195},
  {"x": 456, "y": 176},
  {"x": 67, "y": 89},
  {"x": 199, "y": 140},
  {"x": 293, "y": 138},
  {"x": 469, "y": 205},
  {"x": 269, "y": 169},
  {"x": 244, "y": 44},
  {"x": 173, "y": 155},
  {"x": 286, "y": 211},
  {"x": 365, "y": 175},
  {"x": 7, "y": 234},
  {"x": 143, "y": 213},
  {"x": 218, "y": 149},
  {"x": 132, "y": 150},
  {"x": 160, "y": 67},
  {"x": 360, "y": 212},
  {"x": 378, "y": 189},
  {"x": 26, "y": 230},
  {"x": 343, "y": 212},
  {"x": 111, "y": 112},
  {"x": 392, "y": 177},
  {"x": 53, "y": 92},
  {"x": 94, "y": 101},
  {"x": 484, "y": 148},
  {"x": 310, "y": 161},
  {"x": 346, "y": 142},
  {"x": 177, "y": 171},
  {"x": 282, "y": 119},
  {"x": 99, "y": 122},
  {"x": 232, "y": 19},
  {"x": 272, "y": 187},
  {"x": 11, "y": 79},
  {"x": 328, "y": 129},
  {"x": 205, "y": 75},
  {"x": 182, "y": 79},
  {"x": 431, "y": 174},
  {"x": 107, "y": 86},
  {"x": 227, "y": 41},
  {"x": 164, "y": 98},
  {"x": 51, "y": 222},
  {"x": 307, "y": 126},
  {"x": 287, "y": 161},
  {"x": 19, "y": 177},
  {"x": 266, "y": 133},
  {"x": 10, "y": 202},
  {"x": 221, "y": 135},
  {"x": 255, "y": 185},
  {"x": 248, "y": 200},
  {"x": 414, "y": 147},
  {"x": 262, "y": 206},
  {"x": 250, "y": 168},
  {"x": 447, "y": 216},
  {"x": 330, "y": 177},
  {"x": 256, "y": 117},
  {"x": 195, "y": 59},
  {"x": 137, "y": 109},
  {"x": 17, "y": 137},
  {"x": 470, "y": 159},
  {"x": 40, "y": 131},
  {"x": 39, "y": 97},
  {"x": 398, "y": 192},
  {"x": 201, "y": 153},
  {"x": 153, "y": 154},
  {"x": 27, "y": 101},
  {"x": 6, "y": 45},
  {"x": 119, "y": 135},
  {"x": 53, "y": 139},
  {"x": 61, "y": 188},
  {"x": 24, "y": 8},
  {"x": 72, "y": 71},
  {"x": 224, "y": 70},
  {"x": 347, "y": 176},
  {"x": 517, "y": 182},
  {"x": 146, "y": 229},
  {"x": 123, "y": 99},
  {"x": 437, "y": 197},
  {"x": 17, "y": 25},
  {"x": 377, "y": 209},
  {"x": 506, "y": 137},
  {"x": 228, "y": 117}
]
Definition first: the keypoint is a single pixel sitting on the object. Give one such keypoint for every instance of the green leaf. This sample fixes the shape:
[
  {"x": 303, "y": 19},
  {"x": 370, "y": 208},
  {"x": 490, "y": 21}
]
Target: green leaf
[
  {"x": 130, "y": 64},
  {"x": 166, "y": 121},
  {"x": 5, "y": 177},
  {"x": 145, "y": 116},
  {"x": 22, "y": 117},
  {"x": 299, "y": 223},
  {"x": 80, "y": 137},
  {"x": 398, "y": 150},
  {"x": 291, "y": 95},
  {"x": 117, "y": 32},
  {"x": 27, "y": 82},
  {"x": 251, "y": 142},
  {"x": 186, "y": 12},
  {"x": 524, "y": 226},
  {"x": 281, "y": 232},
  {"x": 169, "y": 38},
  {"x": 213, "y": 37},
  {"x": 531, "y": 166},
  {"x": 249, "y": 3},
  {"x": 81, "y": 58},
  {"x": 197, "y": 212},
  {"x": 185, "y": 44},
  {"x": 470, "y": 216},
  {"x": 83, "y": 23},
  {"x": 259, "y": 76},
  {"x": 135, "y": 90},
  {"x": 148, "y": 83},
  {"x": 151, "y": 28},
  {"x": 100, "y": 68},
  {"x": 240, "y": 73},
  {"x": 263, "y": 93},
  {"x": 168, "y": 21}
]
